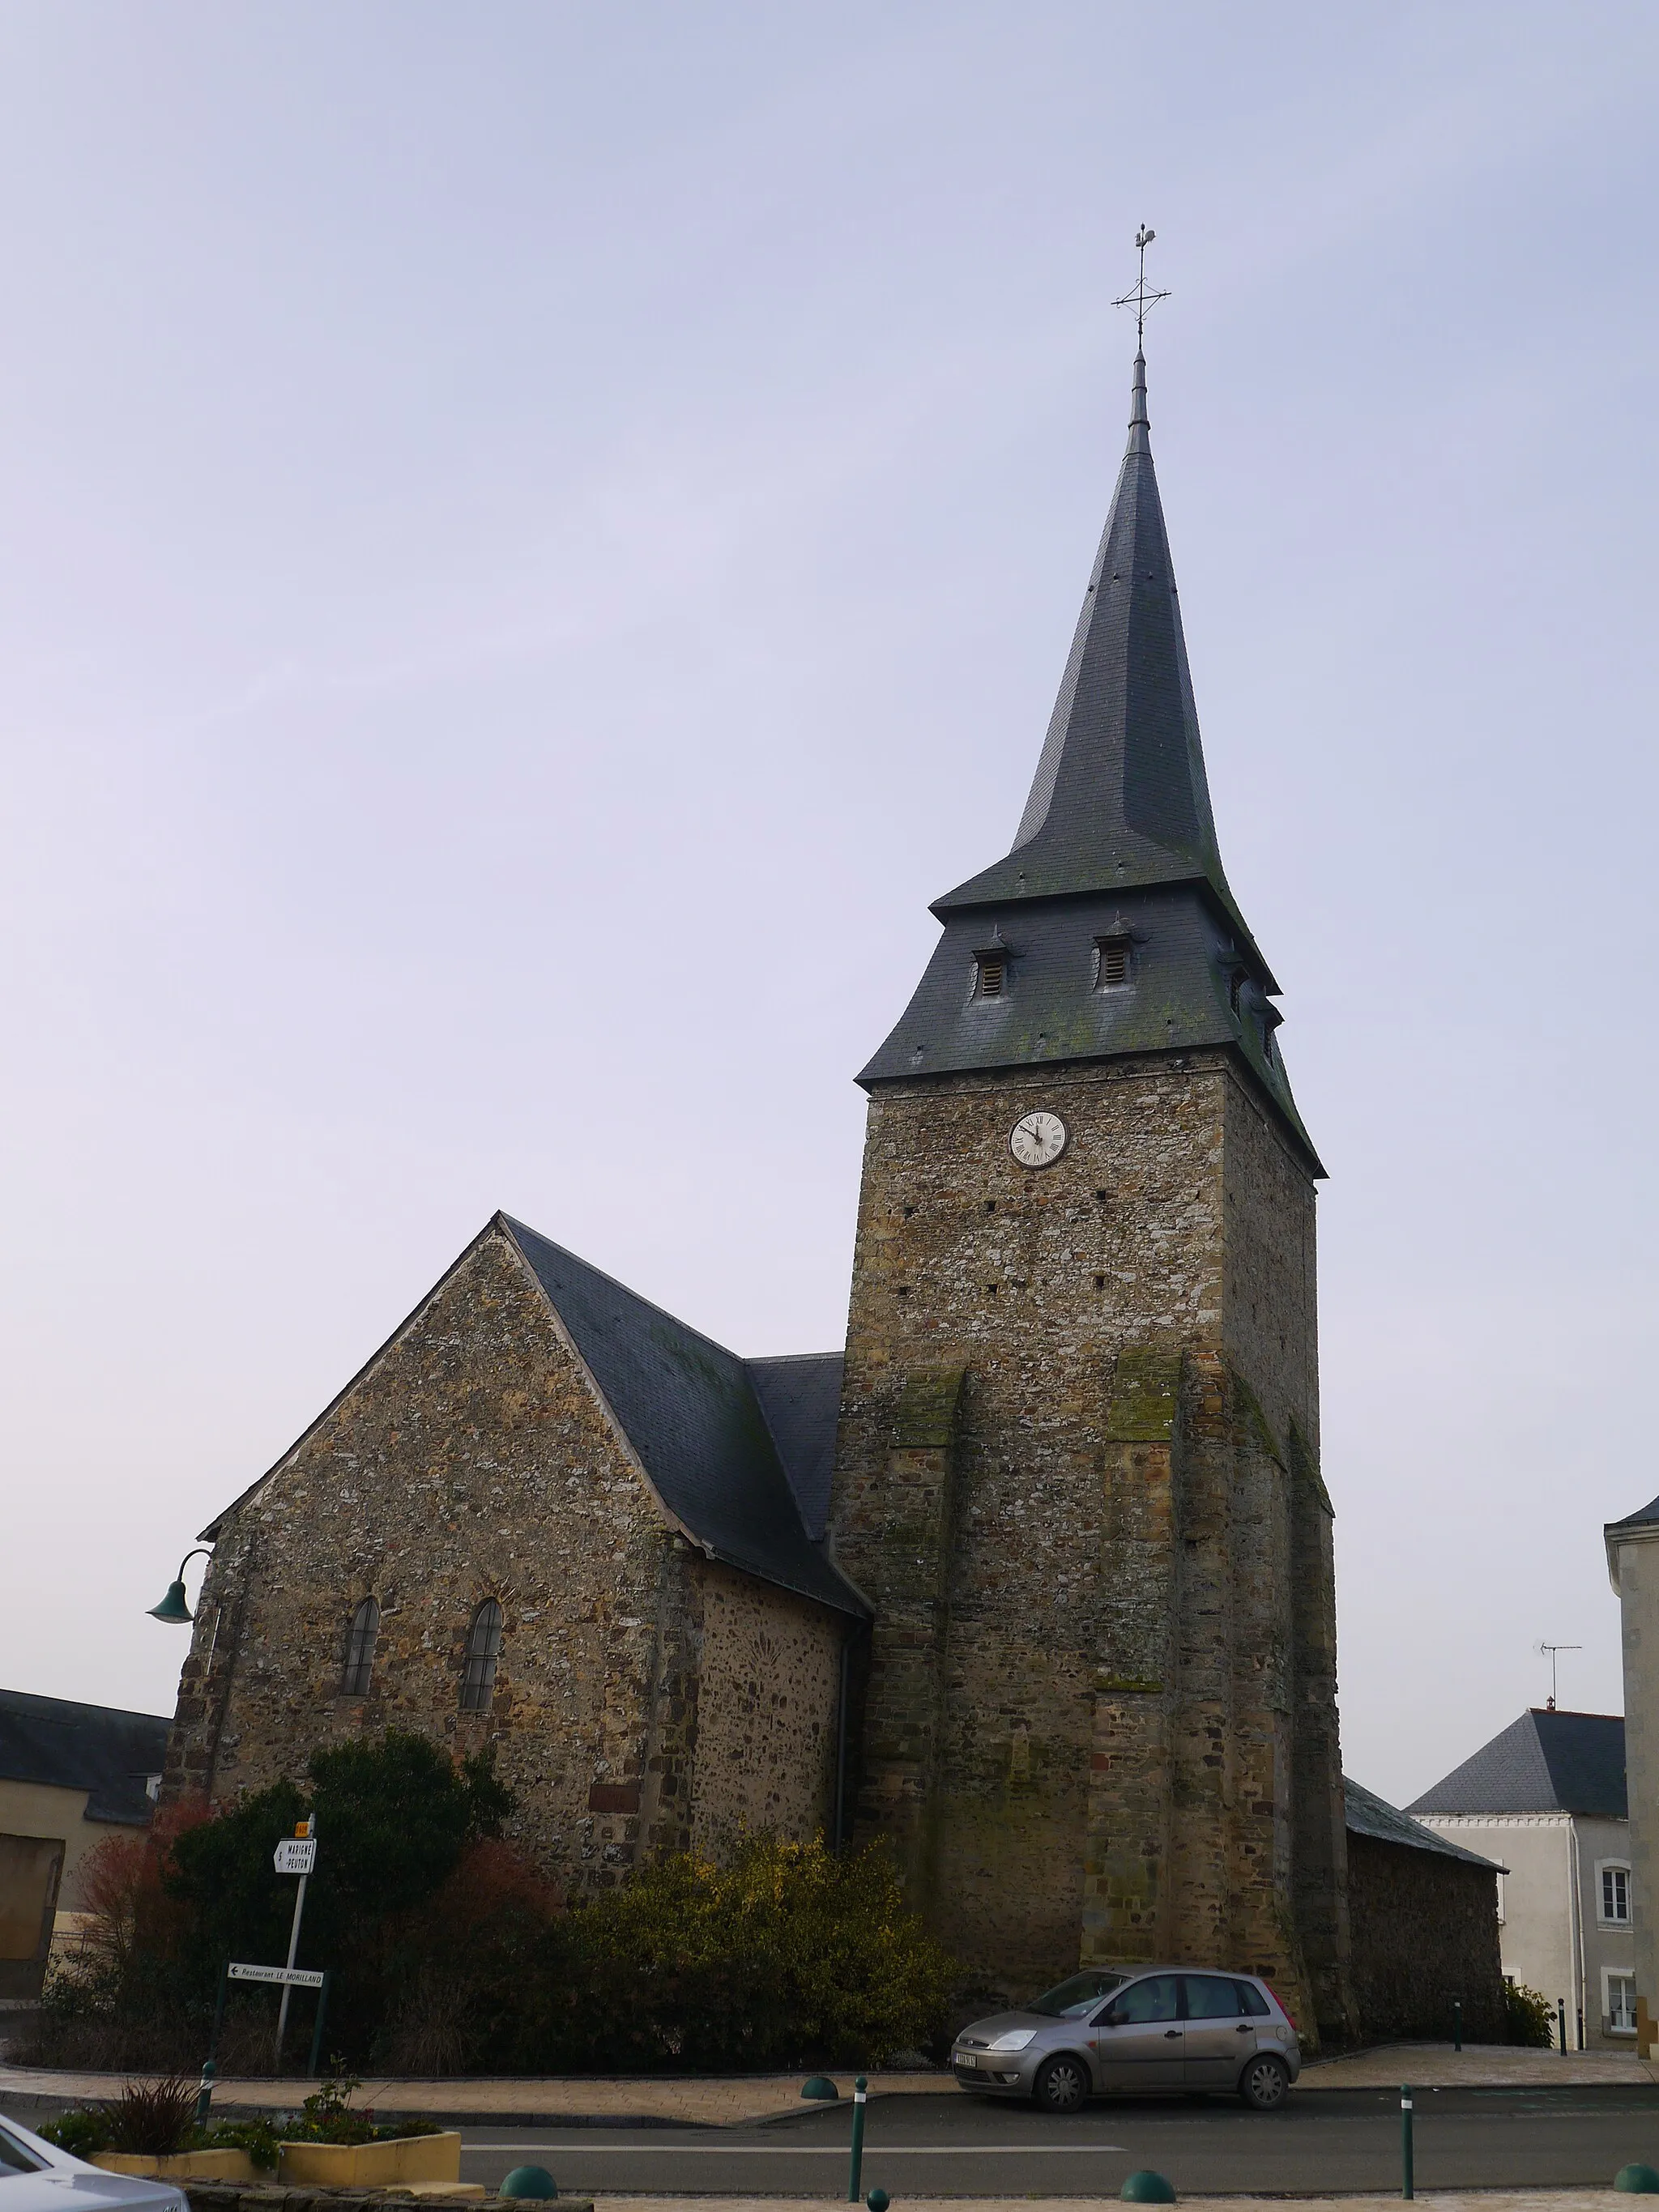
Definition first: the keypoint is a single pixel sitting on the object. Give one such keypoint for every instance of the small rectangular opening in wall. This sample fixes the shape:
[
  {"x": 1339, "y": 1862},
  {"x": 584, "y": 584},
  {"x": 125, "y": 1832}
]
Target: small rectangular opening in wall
[
  {"x": 990, "y": 1290},
  {"x": 993, "y": 974},
  {"x": 1111, "y": 961},
  {"x": 1100, "y": 1282}
]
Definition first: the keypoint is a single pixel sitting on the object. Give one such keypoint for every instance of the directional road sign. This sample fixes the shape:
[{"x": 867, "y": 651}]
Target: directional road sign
[
  {"x": 296, "y": 1854},
  {"x": 298, "y": 1978}
]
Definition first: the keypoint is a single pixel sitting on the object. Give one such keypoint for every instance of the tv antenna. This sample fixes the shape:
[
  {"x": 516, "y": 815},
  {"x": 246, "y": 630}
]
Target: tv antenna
[
  {"x": 1549, "y": 1650},
  {"x": 1142, "y": 299}
]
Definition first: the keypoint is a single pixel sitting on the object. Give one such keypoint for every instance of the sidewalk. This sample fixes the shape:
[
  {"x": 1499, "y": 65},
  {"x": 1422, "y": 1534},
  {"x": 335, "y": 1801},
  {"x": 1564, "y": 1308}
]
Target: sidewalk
[
  {"x": 554, "y": 2100},
  {"x": 1449, "y": 2200},
  {"x": 1478, "y": 2066},
  {"x": 646, "y": 2100}
]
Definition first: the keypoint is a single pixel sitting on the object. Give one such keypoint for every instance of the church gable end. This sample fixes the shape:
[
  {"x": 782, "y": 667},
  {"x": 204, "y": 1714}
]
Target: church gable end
[{"x": 473, "y": 1461}]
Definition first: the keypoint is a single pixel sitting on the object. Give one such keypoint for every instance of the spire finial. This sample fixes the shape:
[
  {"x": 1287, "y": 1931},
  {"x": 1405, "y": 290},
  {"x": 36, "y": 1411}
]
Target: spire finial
[{"x": 1141, "y": 299}]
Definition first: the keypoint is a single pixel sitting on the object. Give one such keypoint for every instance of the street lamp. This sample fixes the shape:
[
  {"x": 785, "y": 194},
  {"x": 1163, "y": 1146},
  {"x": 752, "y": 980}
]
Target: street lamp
[{"x": 173, "y": 1609}]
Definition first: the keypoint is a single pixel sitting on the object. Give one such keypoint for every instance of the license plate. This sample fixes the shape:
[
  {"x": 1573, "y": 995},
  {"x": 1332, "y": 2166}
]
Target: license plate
[{"x": 966, "y": 2058}]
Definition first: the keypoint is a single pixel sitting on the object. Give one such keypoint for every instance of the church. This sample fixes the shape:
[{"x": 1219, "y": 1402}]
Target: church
[{"x": 1033, "y": 1578}]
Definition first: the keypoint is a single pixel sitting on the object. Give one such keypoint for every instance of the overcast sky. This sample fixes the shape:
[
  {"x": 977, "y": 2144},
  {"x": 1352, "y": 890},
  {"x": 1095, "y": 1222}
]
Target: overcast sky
[{"x": 538, "y": 538}]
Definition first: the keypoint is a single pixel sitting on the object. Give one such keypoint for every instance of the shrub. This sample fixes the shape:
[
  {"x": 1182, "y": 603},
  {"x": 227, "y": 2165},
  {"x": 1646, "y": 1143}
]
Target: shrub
[
  {"x": 1530, "y": 2018},
  {"x": 154, "y": 2119},
  {"x": 81, "y": 2133},
  {"x": 788, "y": 1955}
]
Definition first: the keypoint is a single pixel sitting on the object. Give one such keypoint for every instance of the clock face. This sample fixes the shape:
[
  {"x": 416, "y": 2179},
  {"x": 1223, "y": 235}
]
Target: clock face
[{"x": 1037, "y": 1140}]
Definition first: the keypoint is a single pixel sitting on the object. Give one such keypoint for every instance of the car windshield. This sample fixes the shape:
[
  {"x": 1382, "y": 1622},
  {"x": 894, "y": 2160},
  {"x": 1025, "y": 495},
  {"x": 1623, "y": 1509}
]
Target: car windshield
[
  {"x": 13, "y": 2158},
  {"x": 1070, "y": 2000}
]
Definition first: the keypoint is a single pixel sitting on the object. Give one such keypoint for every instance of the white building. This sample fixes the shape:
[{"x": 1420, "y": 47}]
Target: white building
[
  {"x": 1546, "y": 1797},
  {"x": 1633, "y": 1566}
]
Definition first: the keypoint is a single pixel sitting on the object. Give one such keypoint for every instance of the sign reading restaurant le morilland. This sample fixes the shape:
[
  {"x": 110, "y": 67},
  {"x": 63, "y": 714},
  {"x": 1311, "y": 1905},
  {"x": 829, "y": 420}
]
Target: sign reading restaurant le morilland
[{"x": 300, "y": 1978}]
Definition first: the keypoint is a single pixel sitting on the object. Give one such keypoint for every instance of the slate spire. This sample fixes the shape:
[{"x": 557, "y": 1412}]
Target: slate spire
[
  {"x": 1109, "y": 929},
  {"x": 1120, "y": 799}
]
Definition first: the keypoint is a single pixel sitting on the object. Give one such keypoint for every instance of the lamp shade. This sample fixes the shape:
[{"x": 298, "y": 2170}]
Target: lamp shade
[{"x": 173, "y": 1608}]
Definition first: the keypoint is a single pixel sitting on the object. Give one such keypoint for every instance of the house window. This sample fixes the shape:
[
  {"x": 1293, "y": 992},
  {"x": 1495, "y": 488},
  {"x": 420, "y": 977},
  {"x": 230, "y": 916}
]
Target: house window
[
  {"x": 992, "y": 980},
  {"x": 1111, "y": 961},
  {"x": 1615, "y": 1896},
  {"x": 1622, "y": 2003},
  {"x": 484, "y": 1648},
  {"x": 1500, "y": 1902},
  {"x": 360, "y": 1650}
]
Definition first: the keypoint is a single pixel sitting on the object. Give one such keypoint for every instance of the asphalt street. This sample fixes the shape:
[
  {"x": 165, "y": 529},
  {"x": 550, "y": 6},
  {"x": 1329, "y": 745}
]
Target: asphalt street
[{"x": 956, "y": 2145}]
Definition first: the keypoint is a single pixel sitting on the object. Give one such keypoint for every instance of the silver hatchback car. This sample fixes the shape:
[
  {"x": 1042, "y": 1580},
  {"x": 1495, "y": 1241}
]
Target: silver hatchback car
[{"x": 1135, "y": 2029}]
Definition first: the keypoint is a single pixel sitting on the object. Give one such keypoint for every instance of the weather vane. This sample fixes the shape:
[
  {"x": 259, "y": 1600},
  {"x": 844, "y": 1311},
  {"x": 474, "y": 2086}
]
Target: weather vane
[{"x": 1141, "y": 299}]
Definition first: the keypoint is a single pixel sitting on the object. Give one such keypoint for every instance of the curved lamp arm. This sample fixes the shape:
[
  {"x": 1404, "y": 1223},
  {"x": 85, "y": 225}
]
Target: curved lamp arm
[{"x": 173, "y": 1609}]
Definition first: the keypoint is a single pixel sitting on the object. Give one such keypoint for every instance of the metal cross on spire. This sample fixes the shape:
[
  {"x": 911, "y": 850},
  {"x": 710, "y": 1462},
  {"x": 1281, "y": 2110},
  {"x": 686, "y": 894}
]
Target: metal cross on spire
[{"x": 1141, "y": 299}]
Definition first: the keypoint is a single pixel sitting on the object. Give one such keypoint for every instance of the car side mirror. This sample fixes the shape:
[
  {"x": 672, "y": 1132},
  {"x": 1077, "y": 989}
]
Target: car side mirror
[{"x": 1108, "y": 2017}]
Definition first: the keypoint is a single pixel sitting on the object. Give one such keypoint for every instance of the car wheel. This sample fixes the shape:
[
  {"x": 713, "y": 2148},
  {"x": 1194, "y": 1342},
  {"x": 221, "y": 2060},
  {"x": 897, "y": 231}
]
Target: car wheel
[
  {"x": 1265, "y": 2083},
  {"x": 1062, "y": 2086}
]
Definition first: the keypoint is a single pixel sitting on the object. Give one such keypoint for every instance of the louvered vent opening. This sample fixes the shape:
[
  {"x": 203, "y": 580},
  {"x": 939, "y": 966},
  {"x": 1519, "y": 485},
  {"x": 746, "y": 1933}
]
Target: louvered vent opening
[
  {"x": 993, "y": 974},
  {"x": 1112, "y": 955}
]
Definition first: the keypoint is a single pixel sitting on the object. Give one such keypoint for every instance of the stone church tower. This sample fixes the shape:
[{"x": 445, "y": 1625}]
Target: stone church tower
[{"x": 1078, "y": 1471}]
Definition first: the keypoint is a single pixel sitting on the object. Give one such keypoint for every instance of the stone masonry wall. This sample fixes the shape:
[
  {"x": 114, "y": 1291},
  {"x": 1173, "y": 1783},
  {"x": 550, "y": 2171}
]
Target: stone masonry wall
[
  {"x": 769, "y": 1676},
  {"x": 1425, "y": 1934},
  {"x": 1078, "y": 1719},
  {"x": 470, "y": 1460}
]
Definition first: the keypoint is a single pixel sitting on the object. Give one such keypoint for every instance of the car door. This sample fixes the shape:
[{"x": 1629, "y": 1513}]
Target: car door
[
  {"x": 1218, "y": 2037},
  {"x": 1137, "y": 2039}
]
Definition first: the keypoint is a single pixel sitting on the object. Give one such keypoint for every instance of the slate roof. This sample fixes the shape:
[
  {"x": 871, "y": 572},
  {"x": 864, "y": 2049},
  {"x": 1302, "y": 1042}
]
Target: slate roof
[
  {"x": 1120, "y": 798},
  {"x": 718, "y": 1441},
  {"x": 1368, "y": 1815},
  {"x": 799, "y": 1394},
  {"x": 1545, "y": 1762},
  {"x": 1650, "y": 1512},
  {"x": 1117, "y": 840},
  {"x": 108, "y": 1753}
]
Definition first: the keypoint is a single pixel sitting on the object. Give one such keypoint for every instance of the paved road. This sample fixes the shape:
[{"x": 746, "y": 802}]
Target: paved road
[{"x": 954, "y": 2145}]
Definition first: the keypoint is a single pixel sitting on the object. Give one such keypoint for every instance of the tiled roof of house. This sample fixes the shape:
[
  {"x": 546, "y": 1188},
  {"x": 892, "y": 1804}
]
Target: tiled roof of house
[
  {"x": 1545, "y": 1762},
  {"x": 108, "y": 1753},
  {"x": 1368, "y": 1815}
]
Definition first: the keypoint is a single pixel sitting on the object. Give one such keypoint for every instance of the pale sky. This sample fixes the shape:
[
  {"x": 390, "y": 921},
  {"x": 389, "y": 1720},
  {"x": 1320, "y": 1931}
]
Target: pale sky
[{"x": 538, "y": 538}]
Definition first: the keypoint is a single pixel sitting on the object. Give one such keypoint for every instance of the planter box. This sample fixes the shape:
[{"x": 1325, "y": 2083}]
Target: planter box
[
  {"x": 403, "y": 2159},
  {"x": 187, "y": 2165}
]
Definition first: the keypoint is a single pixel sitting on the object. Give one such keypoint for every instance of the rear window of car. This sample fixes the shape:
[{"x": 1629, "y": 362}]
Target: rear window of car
[
  {"x": 1250, "y": 2000},
  {"x": 13, "y": 2158}
]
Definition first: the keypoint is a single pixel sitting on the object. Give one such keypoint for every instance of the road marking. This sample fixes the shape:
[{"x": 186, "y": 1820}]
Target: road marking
[{"x": 569, "y": 2149}]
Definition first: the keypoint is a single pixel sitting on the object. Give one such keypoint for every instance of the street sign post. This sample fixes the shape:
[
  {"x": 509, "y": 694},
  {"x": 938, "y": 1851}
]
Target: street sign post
[
  {"x": 295, "y": 1854},
  {"x": 288, "y": 1978}
]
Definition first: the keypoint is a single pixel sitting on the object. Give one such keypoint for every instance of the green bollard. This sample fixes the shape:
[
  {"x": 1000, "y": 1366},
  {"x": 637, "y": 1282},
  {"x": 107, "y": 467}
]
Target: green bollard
[
  {"x": 1561, "y": 2023},
  {"x": 859, "y": 2089},
  {"x": 1406, "y": 2188},
  {"x": 1457, "y": 2025},
  {"x": 205, "y": 2094}
]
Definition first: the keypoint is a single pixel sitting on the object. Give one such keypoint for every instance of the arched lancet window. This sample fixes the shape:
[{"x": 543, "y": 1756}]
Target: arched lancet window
[
  {"x": 484, "y": 1648},
  {"x": 360, "y": 1650}
]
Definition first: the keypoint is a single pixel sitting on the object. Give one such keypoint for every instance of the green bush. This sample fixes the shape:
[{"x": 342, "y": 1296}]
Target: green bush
[
  {"x": 790, "y": 1955},
  {"x": 81, "y": 2133},
  {"x": 1530, "y": 2018},
  {"x": 449, "y": 1954}
]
